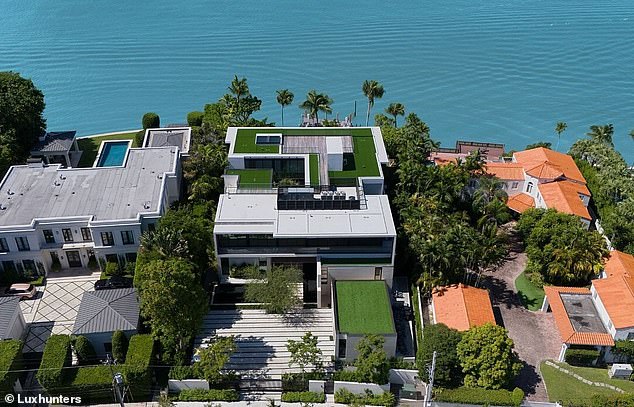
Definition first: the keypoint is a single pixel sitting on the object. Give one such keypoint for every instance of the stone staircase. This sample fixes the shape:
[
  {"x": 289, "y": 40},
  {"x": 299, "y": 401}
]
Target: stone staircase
[{"x": 261, "y": 338}]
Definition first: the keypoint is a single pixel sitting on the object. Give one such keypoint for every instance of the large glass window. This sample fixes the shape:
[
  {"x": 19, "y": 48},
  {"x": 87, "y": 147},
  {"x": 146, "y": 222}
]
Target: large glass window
[
  {"x": 48, "y": 236},
  {"x": 4, "y": 247},
  {"x": 85, "y": 234},
  {"x": 127, "y": 237},
  {"x": 68, "y": 235},
  {"x": 107, "y": 239},
  {"x": 282, "y": 167},
  {"x": 23, "y": 244}
]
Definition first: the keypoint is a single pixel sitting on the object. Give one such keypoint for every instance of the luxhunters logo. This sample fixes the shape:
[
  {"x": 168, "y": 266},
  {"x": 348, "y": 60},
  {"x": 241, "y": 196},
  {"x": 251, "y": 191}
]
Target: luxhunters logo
[{"x": 40, "y": 399}]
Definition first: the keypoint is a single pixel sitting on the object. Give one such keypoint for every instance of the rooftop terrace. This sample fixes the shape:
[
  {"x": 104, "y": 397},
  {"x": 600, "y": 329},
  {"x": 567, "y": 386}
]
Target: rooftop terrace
[{"x": 363, "y": 307}]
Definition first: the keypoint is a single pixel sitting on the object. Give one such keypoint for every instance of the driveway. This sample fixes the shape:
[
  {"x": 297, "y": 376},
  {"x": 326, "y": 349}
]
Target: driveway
[
  {"x": 55, "y": 310},
  {"x": 534, "y": 333}
]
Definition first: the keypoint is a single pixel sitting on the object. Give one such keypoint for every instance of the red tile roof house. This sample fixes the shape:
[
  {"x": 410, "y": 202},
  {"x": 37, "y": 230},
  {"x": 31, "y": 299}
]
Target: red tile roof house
[
  {"x": 598, "y": 316},
  {"x": 544, "y": 178},
  {"x": 461, "y": 307}
]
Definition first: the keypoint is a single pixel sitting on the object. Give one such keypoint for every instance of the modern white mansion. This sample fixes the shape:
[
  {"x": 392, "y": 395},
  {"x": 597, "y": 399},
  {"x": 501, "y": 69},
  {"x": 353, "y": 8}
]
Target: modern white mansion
[
  {"x": 55, "y": 217},
  {"x": 332, "y": 217}
]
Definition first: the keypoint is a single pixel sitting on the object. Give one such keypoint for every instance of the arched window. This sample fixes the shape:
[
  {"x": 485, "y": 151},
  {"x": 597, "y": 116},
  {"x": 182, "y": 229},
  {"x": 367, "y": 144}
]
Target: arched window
[{"x": 529, "y": 187}]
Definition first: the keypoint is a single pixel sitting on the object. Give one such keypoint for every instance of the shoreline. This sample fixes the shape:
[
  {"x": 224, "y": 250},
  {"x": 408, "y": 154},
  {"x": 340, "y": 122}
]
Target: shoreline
[{"x": 113, "y": 133}]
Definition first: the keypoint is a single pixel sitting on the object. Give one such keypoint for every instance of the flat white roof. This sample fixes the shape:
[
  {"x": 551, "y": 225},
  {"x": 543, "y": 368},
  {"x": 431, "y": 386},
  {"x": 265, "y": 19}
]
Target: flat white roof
[
  {"x": 334, "y": 145},
  {"x": 104, "y": 193},
  {"x": 257, "y": 213}
]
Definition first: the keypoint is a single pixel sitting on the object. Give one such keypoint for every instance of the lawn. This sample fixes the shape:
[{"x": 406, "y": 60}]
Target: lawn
[
  {"x": 565, "y": 388},
  {"x": 363, "y": 307},
  {"x": 314, "y": 170},
  {"x": 364, "y": 162},
  {"x": 531, "y": 296},
  {"x": 90, "y": 146},
  {"x": 253, "y": 178},
  {"x": 245, "y": 142}
]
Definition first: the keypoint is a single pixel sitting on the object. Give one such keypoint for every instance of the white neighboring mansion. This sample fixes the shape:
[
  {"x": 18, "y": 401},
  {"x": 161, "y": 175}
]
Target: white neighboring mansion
[
  {"x": 62, "y": 218},
  {"x": 311, "y": 197}
]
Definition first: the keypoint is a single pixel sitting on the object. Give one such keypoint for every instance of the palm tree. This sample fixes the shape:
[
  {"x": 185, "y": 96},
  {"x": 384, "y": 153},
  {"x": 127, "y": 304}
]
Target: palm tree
[
  {"x": 315, "y": 103},
  {"x": 239, "y": 88},
  {"x": 602, "y": 133},
  {"x": 632, "y": 134},
  {"x": 395, "y": 109},
  {"x": 560, "y": 127},
  {"x": 284, "y": 98},
  {"x": 372, "y": 90}
]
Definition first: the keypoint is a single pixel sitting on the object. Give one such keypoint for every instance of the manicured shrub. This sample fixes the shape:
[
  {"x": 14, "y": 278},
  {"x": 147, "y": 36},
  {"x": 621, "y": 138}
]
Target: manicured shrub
[
  {"x": 119, "y": 346},
  {"x": 581, "y": 357},
  {"x": 151, "y": 120},
  {"x": 304, "y": 397},
  {"x": 208, "y": 395},
  {"x": 195, "y": 118},
  {"x": 345, "y": 396},
  {"x": 112, "y": 269},
  {"x": 476, "y": 395},
  {"x": 617, "y": 400},
  {"x": 92, "y": 383},
  {"x": 182, "y": 373},
  {"x": 139, "y": 137},
  {"x": 346, "y": 376},
  {"x": 84, "y": 350},
  {"x": 137, "y": 365},
  {"x": 56, "y": 356},
  {"x": 298, "y": 382},
  {"x": 10, "y": 360}
]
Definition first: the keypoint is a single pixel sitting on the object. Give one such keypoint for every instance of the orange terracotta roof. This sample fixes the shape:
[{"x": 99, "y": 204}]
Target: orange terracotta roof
[
  {"x": 564, "y": 196},
  {"x": 566, "y": 330},
  {"x": 442, "y": 158},
  {"x": 547, "y": 163},
  {"x": 462, "y": 307},
  {"x": 619, "y": 264},
  {"x": 506, "y": 171},
  {"x": 520, "y": 202}
]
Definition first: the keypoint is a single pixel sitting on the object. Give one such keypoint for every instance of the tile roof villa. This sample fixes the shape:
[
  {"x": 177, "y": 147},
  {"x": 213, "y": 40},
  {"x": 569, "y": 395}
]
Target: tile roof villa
[
  {"x": 461, "y": 307},
  {"x": 600, "y": 315}
]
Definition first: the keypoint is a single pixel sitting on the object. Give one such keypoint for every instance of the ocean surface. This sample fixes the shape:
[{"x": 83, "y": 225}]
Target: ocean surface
[{"x": 487, "y": 70}]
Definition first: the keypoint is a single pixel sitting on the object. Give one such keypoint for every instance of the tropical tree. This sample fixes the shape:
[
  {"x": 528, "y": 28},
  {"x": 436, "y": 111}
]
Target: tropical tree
[
  {"x": 277, "y": 292},
  {"x": 443, "y": 340},
  {"x": 560, "y": 127},
  {"x": 238, "y": 88},
  {"x": 372, "y": 363},
  {"x": 372, "y": 90},
  {"x": 602, "y": 133},
  {"x": 395, "y": 109},
  {"x": 487, "y": 357},
  {"x": 315, "y": 103},
  {"x": 632, "y": 134},
  {"x": 284, "y": 98},
  {"x": 489, "y": 188},
  {"x": 166, "y": 242}
]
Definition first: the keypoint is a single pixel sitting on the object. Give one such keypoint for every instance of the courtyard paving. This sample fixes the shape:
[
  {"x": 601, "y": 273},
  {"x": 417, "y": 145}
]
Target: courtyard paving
[
  {"x": 55, "y": 308},
  {"x": 534, "y": 333}
]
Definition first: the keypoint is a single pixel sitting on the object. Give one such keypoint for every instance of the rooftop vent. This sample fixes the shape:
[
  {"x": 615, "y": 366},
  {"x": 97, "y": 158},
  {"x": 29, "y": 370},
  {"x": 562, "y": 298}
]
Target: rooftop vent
[
  {"x": 2, "y": 207},
  {"x": 9, "y": 192},
  {"x": 62, "y": 177}
]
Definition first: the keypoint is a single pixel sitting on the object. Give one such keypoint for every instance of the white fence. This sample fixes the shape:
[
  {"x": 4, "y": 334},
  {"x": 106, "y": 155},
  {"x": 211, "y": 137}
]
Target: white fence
[
  {"x": 360, "y": 388},
  {"x": 177, "y": 386}
]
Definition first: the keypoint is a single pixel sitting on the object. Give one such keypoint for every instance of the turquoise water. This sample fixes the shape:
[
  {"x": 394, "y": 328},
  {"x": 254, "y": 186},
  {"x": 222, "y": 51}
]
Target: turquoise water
[
  {"x": 113, "y": 154},
  {"x": 487, "y": 70}
]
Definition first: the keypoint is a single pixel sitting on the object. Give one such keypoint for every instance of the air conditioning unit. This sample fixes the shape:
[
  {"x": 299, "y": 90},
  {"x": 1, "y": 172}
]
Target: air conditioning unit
[{"x": 620, "y": 371}]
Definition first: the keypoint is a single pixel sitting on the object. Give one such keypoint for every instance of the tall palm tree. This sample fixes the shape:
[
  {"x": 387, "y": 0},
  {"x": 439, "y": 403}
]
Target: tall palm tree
[
  {"x": 602, "y": 133},
  {"x": 315, "y": 103},
  {"x": 632, "y": 134},
  {"x": 395, "y": 109},
  {"x": 372, "y": 90},
  {"x": 560, "y": 127},
  {"x": 239, "y": 88},
  {"x": 284, "y": 98}
]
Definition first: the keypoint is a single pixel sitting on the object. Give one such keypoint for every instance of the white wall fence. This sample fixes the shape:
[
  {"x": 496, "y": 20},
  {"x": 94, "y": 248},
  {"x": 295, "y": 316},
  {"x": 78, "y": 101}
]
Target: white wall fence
[
  {"x": 176, "y": 386},
  {"x": 360, "y": 388}
]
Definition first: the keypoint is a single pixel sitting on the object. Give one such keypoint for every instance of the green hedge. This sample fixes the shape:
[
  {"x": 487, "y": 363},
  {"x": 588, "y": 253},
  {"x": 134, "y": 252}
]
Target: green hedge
[
  {"x": 92, "y": 383},
  {"x": 56, "y": 356},
  {"x": 119, "y": 346},
  {"x": 581, "y": 357},
  {"x": 84, "y": 350},
  {"x": 346, "y": 376},
  {"x": 137, "y": 369},
  {"x": 303, "y": 397},
  {"x": 346, "y": 397},
  {"x": 474, "y": 395},
  {"x": 10, "y": 359},
  {"x": 208, "y": 395},
  {"x": 621, "y": 400},
  {"x": 182, "y": 373},
  {"x": 296, "y": 382}
]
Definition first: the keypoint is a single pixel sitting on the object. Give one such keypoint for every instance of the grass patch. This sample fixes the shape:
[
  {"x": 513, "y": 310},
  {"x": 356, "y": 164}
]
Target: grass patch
[
  {"x": 364, "y": 161},
  {"x": 314, "y": 169},
  {"x": 363, "y": 307},
  {"x": 90, "y": 146},
  {"x": 567, "y": 390},
  {"x": 253, "y": 178},
  {"x": 38, "y": 281},
  {"x": 532, "y": 297},
  {"x": 597, "y": 374},
  {"x": 245, "y": 142}
]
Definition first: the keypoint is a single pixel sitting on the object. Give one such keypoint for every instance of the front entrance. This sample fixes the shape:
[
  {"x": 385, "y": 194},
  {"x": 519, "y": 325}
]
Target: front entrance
[{"x": 74, "y": 259}]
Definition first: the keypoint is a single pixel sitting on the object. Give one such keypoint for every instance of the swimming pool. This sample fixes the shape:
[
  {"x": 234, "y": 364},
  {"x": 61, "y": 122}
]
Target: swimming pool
[{"x": 112, "y": 153}]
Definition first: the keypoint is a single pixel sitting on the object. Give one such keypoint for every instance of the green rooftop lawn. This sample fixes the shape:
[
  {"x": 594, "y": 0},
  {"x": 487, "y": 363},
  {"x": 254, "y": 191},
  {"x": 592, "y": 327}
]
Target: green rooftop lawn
[
  {"x": 532, "y": 297},
  {"x": 564, "y": 388},
  {"x": 363, "y": 163},
  {"x": 253, "y": 178},
  {"x": 314, "y": 169},
  {"x": 363, "y": 307},
  {"x": 245, "y": 142},
  {"x": 90, "y": 146}
]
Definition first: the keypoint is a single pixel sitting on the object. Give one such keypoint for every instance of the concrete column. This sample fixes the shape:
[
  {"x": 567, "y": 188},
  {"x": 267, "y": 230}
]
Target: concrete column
[
  {"x": 68, "y": 163},
  {"x": 562, "y": 353}
]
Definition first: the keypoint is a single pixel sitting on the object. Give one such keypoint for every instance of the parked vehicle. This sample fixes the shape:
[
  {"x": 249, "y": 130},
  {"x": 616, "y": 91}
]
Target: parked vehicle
[
  {"x": 113, "y": 282},
  {"x": 24, "y": 291}
]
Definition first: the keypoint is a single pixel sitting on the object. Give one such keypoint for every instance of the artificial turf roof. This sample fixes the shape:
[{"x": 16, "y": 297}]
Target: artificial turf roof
[
  {"x": 363, "y": 163},
  {"x": 363, "y": 307},
  {"x": 253, "y": 178}
]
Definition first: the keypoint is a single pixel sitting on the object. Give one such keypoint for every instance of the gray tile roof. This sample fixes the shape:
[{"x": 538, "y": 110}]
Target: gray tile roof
[
  {"x": 107, "y": 311},
  {"x": 58, "y": 141},
  {"x": 177, "y": 137},
  {"x": 8, "y": 306}
]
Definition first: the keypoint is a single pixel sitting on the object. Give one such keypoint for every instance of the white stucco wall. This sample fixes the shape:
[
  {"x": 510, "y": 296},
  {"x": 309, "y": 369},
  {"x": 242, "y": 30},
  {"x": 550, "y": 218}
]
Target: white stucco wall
[{"x": 360, "y": 272}]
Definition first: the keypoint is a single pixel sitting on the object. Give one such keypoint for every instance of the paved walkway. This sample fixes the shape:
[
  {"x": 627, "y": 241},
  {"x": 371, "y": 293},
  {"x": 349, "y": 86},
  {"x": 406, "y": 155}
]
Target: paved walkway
[
  {"x": 534, "y": 333},
  {"x": 55, "y": 309}
]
